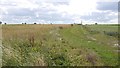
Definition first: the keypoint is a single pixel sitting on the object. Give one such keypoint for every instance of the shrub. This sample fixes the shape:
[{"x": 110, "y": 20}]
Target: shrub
[
  {"x": 0, "y": 22},
  {"x": 112, "y": 33},
  {"x": 79, "y": 24},
  {"x": 35, "y": 23},
  {"x": 60, "y": 27},
  {"x": 91, "y": 58},
  {"x": 96, "y": 23},
  {"x": 71, "y": 24}
]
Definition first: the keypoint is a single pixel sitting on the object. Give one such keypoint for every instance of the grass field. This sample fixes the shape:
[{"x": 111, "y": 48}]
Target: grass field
[{"x": 60, "y": 45}]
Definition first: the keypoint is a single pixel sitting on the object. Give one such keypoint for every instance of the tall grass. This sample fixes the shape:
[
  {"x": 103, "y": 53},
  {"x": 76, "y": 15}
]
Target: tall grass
[{"x": 56, "y": 45}]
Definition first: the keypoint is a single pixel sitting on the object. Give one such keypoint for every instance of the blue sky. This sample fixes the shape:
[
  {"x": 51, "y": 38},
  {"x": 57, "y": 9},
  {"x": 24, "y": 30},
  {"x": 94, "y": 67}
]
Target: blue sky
[{"x": 59, "y": 11}]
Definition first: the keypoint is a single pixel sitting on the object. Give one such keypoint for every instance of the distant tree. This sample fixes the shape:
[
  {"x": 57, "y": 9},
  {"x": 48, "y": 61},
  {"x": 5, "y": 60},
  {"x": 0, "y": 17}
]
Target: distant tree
[
  {"x": 5, "y": 23},
  {"x": 96, "y": 23},
  {"x": 35, "y": 23},
  {"x": 25, "y": 23},
  {"x": 71, "y": 24},
  {"x": 79, "y": 24},
  {"x": 0, "y": 22}
]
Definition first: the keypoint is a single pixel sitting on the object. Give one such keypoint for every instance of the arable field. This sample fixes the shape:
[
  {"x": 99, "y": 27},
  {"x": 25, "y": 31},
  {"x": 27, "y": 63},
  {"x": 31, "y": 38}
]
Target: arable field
[{"x": 60, "y": 45}]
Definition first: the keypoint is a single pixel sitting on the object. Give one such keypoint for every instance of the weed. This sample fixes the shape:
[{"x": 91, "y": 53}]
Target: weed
[
  {"x": 91, "y": 58},
  {"x": 31, "y": 40}
]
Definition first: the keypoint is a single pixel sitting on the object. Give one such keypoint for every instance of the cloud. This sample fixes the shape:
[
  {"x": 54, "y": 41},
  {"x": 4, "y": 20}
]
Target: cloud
[
  {"x": 47, "y": 14},
  {"x": 20, "y": 12},
  {"x": 119, "y": 6},
  {"x": 101, "y": 17},
  {"x": 106, "y": 12},
  {"x": 57, "y": 11},
  {"x": 111, "y": 6},
  {"x": 45, "y": 11},
  {"x": 108, "y": 0}
]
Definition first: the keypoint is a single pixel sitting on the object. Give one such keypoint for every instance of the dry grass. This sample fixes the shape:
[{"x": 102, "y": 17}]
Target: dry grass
[
  {"x": 24, "y": 31},
  {"x": 27, "y": 41}
]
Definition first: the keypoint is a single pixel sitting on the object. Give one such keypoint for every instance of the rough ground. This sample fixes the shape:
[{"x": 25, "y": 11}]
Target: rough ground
[{"x": 58, "y": 45}]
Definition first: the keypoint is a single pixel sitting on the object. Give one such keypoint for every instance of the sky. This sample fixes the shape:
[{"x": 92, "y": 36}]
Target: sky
[{"x": 59, "y": 11}]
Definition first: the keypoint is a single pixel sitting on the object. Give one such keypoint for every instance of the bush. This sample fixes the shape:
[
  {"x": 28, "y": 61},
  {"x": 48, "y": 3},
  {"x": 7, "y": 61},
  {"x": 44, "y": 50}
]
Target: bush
[
  {"x": 35, "y": 23},
  {"x": 0, "y": 22},
  {"x": 112, "y": 33},
  {"x": 91, "y": 58},
  {"x": 60, "y": 27},
  {"x": 96, "y": 23},
  {"x": 79, "y": 24},
  {"x": 71, "y": 24}
]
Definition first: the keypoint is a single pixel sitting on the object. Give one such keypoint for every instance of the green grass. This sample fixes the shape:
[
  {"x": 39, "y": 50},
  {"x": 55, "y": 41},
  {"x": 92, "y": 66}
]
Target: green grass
[
  {"x": 111, "y": 30},
  {"x": 108, "y": 28},
  {"x": 79, "y": 39},
  {"x": 51, "y": 45}
]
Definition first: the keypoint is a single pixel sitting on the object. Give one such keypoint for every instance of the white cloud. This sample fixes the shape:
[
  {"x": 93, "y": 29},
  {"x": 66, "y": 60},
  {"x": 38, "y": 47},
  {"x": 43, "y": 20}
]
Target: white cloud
[
  {"x": 108, "y": 0},
  {"x": 78, "y": 7},
  {"x": 56, "y": 11}
]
